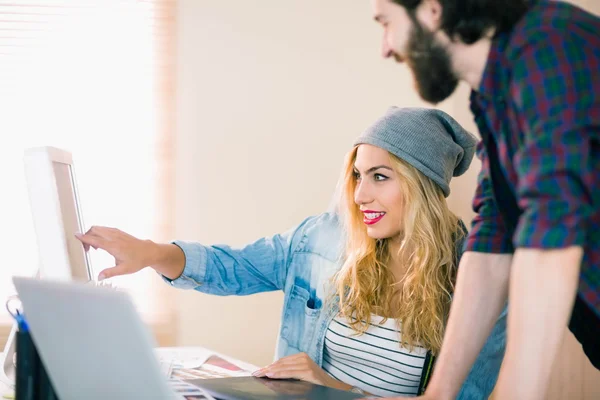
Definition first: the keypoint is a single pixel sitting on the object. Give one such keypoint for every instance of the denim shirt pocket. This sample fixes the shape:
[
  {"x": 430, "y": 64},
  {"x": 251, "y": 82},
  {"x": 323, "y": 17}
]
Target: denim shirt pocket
[{"x": 300, "y": 318}]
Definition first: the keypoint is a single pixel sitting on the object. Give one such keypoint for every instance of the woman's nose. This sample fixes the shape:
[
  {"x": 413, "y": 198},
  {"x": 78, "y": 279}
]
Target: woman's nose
[{"x": 361, "y": 194}]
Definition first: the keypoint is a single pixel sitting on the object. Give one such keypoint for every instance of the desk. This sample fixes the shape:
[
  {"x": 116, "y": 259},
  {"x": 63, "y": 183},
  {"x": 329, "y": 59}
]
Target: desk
[
  {"x": 4, "y": 388},
  {"x": 7, "y": 390}
]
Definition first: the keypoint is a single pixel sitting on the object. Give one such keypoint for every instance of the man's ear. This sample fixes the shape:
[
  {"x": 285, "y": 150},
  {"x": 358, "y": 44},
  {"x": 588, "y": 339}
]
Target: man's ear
[{"x": 429, "y": 14}]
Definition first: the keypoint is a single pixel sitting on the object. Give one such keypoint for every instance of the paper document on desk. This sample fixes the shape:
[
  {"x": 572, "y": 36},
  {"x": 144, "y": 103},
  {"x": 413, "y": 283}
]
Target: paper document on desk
[
  {"x": 183, "y": 357},
  {"x": 199, "y": 363},
  {"x": 215, "y": 366}
]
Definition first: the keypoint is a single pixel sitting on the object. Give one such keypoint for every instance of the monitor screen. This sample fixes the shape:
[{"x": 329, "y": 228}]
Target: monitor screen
[{"x": 72, "y": 221}]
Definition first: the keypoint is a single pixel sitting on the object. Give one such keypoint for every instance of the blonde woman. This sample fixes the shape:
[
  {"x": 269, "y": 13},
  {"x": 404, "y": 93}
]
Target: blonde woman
[{"x": 368, "y": 287}]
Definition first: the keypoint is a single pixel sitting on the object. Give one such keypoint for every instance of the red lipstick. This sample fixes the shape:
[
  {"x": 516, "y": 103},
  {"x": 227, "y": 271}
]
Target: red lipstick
[{"x": 376, "y": 216}]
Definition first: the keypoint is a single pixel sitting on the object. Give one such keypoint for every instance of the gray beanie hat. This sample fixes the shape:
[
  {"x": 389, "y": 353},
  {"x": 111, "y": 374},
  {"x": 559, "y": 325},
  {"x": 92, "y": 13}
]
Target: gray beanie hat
[{"x": 428, "y": 139}]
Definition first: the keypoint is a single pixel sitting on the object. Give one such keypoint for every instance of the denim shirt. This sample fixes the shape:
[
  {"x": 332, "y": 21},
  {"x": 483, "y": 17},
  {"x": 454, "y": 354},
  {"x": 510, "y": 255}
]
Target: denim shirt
[{"x": 302, "y": 262}]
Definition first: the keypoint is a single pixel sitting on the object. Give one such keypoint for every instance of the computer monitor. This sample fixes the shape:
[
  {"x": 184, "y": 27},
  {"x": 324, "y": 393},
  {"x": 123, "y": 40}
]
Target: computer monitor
[{"x": 56, "y": 213}]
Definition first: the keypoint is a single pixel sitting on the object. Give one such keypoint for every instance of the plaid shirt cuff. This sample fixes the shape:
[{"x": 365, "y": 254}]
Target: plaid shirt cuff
[
  {"x": 488, "y": 237},
  {"x": 540, "y": 233}
]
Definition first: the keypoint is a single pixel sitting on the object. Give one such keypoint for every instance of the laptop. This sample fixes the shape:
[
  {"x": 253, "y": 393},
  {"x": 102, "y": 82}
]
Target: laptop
[
  {"x": 95, "y": 347},
  {"x": 251, "y": 388},
  {"x": 92, "y": 342}
]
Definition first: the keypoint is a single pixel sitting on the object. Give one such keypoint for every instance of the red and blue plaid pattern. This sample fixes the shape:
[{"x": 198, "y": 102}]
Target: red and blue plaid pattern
[{"x": 540, "y": 99}]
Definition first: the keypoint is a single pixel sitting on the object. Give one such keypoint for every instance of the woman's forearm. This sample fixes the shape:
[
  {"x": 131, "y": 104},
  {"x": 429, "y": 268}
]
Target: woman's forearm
[{"x": 168, "y": 260}]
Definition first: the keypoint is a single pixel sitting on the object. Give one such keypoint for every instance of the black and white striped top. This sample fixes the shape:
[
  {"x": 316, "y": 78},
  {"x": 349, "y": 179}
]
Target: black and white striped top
[{"x": 374, "y": 361}]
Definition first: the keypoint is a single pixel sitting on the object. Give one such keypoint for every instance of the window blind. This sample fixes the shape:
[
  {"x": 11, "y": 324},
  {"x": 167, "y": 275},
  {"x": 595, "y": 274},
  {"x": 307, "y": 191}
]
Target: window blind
[{"x": 95, "y": 77}]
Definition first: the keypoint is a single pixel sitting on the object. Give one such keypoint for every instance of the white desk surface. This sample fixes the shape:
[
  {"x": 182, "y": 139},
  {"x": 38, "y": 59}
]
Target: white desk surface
[{"x": 6, "y": 391}]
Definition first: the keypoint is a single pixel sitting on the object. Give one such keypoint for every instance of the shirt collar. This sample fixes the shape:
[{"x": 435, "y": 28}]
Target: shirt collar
[{"x": 493, "y": 78}]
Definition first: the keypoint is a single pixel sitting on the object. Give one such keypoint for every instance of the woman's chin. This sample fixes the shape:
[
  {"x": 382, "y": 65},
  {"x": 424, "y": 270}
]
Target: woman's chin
[{"x": 374, "y": 233}]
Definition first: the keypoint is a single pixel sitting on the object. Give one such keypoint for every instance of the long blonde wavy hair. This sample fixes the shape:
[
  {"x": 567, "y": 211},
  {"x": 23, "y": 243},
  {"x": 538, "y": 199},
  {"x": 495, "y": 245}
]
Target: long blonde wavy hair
[{"x": 420, "y": 300}]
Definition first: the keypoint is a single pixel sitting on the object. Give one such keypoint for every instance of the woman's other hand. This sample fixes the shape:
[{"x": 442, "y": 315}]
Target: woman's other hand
[{"x": 300, "y": 366}]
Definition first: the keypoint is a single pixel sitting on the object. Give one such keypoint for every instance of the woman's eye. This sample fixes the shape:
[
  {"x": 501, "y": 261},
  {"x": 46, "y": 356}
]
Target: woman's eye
[
  {"x": 356, "y": 175},
  {"x": 379, "y": 177}
]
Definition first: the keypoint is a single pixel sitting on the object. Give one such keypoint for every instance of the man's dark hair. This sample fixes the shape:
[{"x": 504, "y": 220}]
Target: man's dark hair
[{"x": 469, "y": 20}]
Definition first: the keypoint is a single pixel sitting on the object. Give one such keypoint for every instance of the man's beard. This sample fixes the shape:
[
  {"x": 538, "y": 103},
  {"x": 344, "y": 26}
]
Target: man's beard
[{"x": 430, "y": 64}]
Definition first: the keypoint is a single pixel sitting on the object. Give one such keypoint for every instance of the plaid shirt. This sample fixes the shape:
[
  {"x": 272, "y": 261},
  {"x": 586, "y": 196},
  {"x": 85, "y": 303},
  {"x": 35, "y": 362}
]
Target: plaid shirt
[{"x": 540, "y": 99}]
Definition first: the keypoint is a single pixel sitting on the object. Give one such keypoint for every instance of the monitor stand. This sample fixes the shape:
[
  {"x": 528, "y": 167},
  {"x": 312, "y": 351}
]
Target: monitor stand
[{"x": 7, "y": 358}]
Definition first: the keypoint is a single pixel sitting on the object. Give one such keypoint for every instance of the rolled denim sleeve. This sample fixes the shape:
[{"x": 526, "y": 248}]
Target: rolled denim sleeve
[
  {"x": 194, "y": 271},
  {"x": 483, "y": 375},
  {"x": 223, "y": 270}
]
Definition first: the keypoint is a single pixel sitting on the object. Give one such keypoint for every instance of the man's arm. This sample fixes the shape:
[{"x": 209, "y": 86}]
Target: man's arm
[
  {"x": 543, "y": 284},
  {"x": 480, "y": 296},
  {"x": 556, "y": 164}
]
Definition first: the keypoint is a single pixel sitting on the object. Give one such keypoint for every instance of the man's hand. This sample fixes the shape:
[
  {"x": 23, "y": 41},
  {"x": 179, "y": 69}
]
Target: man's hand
[{"x": 300, "y": 366}]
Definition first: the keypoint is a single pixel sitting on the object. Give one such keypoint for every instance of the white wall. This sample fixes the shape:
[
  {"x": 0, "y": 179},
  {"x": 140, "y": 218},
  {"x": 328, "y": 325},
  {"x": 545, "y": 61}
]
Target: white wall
[{"x": 270, "y": 96}]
